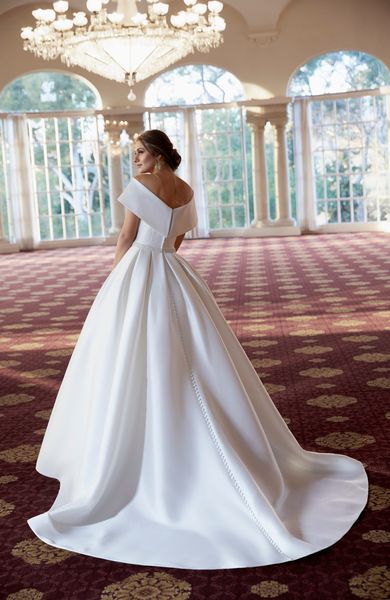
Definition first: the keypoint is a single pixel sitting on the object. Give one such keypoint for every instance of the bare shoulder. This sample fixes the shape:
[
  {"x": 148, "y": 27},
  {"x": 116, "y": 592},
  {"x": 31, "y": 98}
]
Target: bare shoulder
[
  {"x": 185, "y": 189},
  {"x": 148, "y": 180}
]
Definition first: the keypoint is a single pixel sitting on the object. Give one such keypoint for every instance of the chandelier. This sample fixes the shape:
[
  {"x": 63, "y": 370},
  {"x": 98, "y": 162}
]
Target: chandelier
[{"x": 125, "y": 45}]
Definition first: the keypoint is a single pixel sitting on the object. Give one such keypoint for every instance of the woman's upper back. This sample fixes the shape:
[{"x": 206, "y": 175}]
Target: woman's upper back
[{"x": 169, "y": 188}]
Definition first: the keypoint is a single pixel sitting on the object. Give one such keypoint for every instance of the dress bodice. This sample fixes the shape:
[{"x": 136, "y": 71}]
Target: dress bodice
[{"x": 160, "y": 224}]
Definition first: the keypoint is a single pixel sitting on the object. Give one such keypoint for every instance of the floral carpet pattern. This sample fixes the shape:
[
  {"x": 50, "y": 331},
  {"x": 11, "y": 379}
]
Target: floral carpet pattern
[{"x": 312, "y": 313}]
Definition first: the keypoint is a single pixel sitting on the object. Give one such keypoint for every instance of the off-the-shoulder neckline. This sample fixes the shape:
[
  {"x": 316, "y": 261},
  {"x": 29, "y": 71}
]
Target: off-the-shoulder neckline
[{"x": 162, "y": 201}]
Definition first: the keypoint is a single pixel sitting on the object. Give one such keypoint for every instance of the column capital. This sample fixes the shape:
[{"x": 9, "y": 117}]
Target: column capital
[
  {"x": 279, "y": 122},
  {"x": 277, "y": 114},
  {"x": 256, "y": 119}
]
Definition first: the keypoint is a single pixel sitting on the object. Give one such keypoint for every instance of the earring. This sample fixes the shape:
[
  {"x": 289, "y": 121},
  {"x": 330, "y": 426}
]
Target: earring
[{"x": 157, "y": 166}]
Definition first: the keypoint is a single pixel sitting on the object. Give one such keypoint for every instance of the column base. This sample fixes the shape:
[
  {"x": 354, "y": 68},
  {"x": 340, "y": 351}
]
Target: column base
[
  {"x": 262, "y": 223},
  {"x": 285, "y": 222}
]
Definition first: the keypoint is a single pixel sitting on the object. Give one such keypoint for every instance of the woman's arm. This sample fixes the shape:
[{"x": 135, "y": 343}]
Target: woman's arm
[
  {"x": 179, "y": 240},
  {"x": 126, "y": 236}
]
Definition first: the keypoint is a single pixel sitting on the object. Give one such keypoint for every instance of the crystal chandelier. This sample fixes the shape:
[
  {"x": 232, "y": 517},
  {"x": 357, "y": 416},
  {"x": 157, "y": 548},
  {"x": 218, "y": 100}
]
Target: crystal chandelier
[{"x": 126, "y": 45}]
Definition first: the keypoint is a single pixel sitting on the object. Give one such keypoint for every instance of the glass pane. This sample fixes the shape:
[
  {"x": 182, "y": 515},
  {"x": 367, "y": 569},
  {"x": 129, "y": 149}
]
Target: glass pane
[
  {"x": 345, "y": 191},
  {"x": 212, "y": 195},
  {"x": 44, "y": 228},
  {"x": 211, "y": 170},
  {"x": 70, "y": 226},
  {"x": 329, "y": 138},
  {"x": 223, "y": 169},
  {"x": 238, "y": 191},
  {"x": 214, "y": 222},
  {"x": 354, "y": 109},
  {"x": 332, "y": 212},
  {"x": 342, "y": 161},
  {"x": 227, "y": 220},
  {"x": 96, "y": 223},
  {"x": 239, "y": 216},
  {"x": 321, "y": 213},
  {"x": 385, "y": 210},
  {"x": 358, "y": 211},
  {"x": 345, "y": 210},
  {"x": 82, "y": 221},
  {"x": 57, "y": 227},
  {"x": 341, "y": 111},
  {"x": 372, "y": 210},
  {"x": 342, "y": 136},
  {"x": 331, "y": 187},
  {"x": 225, "y": 196},
  {"x": 356, "y": 158},
  {"x": 318, "y": 163},
  {"x": 330, "y": 161},
  {"x": 316, "y": 113},
  {"x": 43, "y": 208},
  {"x": 357, "y": 188},
  {"x": 320, "y": 187},
  {"x": 328, "y": 112}
]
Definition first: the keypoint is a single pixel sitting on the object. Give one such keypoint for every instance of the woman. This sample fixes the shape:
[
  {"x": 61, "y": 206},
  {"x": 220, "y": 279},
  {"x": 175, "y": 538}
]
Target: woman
[{"x": 168, "y": 449}]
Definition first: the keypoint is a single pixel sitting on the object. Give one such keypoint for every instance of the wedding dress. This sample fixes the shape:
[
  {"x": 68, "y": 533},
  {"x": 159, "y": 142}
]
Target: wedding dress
[{"x": 168, "y": 448}]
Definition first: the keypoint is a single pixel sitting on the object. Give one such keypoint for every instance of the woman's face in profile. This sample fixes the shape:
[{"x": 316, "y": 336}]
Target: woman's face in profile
[{"x": 144, "y": 161}]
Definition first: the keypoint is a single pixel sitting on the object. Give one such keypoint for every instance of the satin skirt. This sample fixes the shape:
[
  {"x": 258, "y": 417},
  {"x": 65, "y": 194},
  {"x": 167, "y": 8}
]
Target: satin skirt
[{"x": 169, "y": 450}]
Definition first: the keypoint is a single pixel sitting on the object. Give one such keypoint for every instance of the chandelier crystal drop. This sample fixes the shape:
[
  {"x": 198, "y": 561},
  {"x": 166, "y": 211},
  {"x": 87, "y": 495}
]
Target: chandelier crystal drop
[{"x": 125, "y": 45}]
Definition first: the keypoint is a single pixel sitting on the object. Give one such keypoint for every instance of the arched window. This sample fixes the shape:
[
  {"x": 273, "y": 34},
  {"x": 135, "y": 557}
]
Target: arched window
[
  {"x": 349, "y": 140},
  {"x": 68, "y": 167},
  {"x": 342, "y": 71},
  {"x": 46, "y": 91},
  {"x": 194, "y": 84}
]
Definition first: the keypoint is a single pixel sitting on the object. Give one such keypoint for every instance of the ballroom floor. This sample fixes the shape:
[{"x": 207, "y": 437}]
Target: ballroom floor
[{"x": 313, "y": 314}]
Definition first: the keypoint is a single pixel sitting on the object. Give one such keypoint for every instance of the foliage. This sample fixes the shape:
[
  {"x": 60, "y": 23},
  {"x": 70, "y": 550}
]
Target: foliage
[
  {"x": 46, "y": 91},
  {"x": 341, "y": 71},
  {"x": 199, "y": 84}
]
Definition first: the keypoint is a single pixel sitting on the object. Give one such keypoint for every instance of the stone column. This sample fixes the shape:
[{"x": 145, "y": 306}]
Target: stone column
[
  {"x": 277, "y": 115},
  {"x": 114, "y": 126},
  {"x": 257, "y": 123}
]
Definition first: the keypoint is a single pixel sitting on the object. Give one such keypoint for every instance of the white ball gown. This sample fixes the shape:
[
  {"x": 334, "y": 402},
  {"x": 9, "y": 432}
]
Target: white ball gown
[{"x": 167, "y": 446}]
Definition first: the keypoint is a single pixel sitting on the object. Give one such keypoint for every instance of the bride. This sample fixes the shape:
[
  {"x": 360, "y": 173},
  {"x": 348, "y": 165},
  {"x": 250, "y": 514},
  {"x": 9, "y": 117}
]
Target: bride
[{"x": 167, "y": 446}]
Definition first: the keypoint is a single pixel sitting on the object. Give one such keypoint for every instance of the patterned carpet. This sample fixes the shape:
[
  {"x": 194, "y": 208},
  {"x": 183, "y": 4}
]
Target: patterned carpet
[{"x": 313, "y": 315}]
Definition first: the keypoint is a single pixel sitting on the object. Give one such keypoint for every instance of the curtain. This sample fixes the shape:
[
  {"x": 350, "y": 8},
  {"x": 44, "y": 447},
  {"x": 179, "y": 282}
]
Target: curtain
[
  {"x": 193, "y": 172},
  {"x": 304, "y": 168}
]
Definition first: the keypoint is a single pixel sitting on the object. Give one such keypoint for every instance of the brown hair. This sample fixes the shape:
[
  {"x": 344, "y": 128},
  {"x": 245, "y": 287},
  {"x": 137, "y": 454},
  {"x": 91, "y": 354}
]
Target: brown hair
[{"x": 157, "y": 142}]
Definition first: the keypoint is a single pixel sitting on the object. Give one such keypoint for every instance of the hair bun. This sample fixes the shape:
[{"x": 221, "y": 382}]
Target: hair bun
[{"x": 175, "y": 159}]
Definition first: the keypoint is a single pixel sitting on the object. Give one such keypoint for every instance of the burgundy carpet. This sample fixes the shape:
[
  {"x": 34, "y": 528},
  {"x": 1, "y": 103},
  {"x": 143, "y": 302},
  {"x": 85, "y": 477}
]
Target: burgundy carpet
[{"x": 313, "y": 315}]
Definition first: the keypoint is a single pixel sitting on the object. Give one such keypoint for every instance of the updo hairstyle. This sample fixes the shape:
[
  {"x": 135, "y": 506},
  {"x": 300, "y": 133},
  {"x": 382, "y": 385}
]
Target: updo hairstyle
[{"x": 158, "y": 143}]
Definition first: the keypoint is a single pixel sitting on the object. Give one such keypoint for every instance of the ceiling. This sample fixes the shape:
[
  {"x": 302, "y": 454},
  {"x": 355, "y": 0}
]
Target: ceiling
[{"x": 260, "y": 15}]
